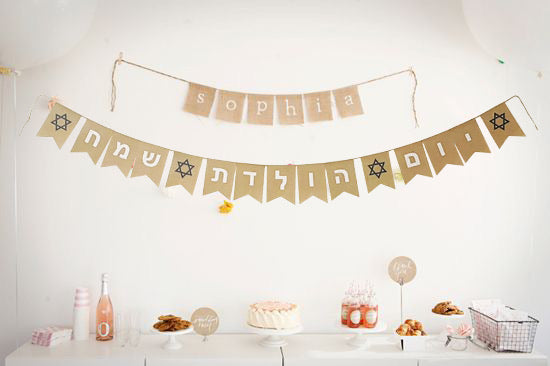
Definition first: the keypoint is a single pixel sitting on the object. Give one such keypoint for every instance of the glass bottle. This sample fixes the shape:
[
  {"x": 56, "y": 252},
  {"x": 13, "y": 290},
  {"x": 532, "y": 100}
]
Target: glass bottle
[
  {"x": 354, "y": 312},
  {"x": 371, "y": 311},
  {"x": 345, "y": 307},
  {"x": 104, "y": 313}
]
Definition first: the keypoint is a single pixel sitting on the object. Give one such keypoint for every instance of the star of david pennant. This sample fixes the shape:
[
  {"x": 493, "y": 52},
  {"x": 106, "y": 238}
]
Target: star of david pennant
[
  {"x": 501, "y": 124},
  {"x": 184, "y": 171},
  {"x": 377, "y": 170},
  {"x": 59, "y": 124}
]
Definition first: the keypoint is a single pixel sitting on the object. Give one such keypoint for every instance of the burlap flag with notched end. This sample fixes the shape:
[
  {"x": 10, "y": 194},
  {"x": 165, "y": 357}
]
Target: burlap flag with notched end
[
  {"x": 413, "y": 161},
  {"x": 150, "y": 161},
  {"x": 342, "y": 178},
  {"x": 121, "y": 152},
  {"x": 290, "y": 109},
  {"x": 219, "y": 177},
  {"x": 469, "y": 139},
  {"x": 348, "y": 102},
  {"x": 501, "y": 124},
  {"x": 377, "y": 169},
  {"x": 59, "y": 124},
  {"x": 92, "y": 139},
  {"x": 281, "y": 182},
  {"x": 249, "y": 180},
  {"x": 199, "y": 99},
  {"x": 260, "y": 109},
  {"x": 184, "y": 171},
  {"x": 312, "y": 182},
  {"x": 442, "y": 150},
  {"x": 318, "y": 106},
  {"x": 230, "y": 106}
]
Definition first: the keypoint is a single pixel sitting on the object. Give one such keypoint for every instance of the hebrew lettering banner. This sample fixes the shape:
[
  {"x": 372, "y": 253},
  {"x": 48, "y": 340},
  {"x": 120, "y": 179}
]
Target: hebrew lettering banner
[{"x": 136, "y": 158}]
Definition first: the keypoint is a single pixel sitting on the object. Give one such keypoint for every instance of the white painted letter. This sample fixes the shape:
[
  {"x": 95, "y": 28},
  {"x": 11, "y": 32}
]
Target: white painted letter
[
  {"x": 348, "y": 99},
  {"x": 318, "y": 102},
  {"x": 468, "y": 137},
  {"x": 261, "y": 107},
  {"x": 251, "y": 176},
  {"x": 150, "y": 159},
  {"x": 344, "y": 174},
  {"x": 96, "y": 136},
  {"x": 282, "y": 177},
  {"x": 290, "y": 108},
  {"x": 231, "y": 105},
  {"x": 441, "y": 150},
  {"x": 412, "y": 160},
  {"x": 200, "y": 98},
  {"x": 119, "y": 147},
  {"x": 311, "y": 181},
  {"x": 217, "y": 172}
]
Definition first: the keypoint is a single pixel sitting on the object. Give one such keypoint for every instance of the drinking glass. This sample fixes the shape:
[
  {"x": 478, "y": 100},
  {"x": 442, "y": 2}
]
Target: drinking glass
[
  {"x": 134, "y": 328},
  {"x": 121, "y": 329}
]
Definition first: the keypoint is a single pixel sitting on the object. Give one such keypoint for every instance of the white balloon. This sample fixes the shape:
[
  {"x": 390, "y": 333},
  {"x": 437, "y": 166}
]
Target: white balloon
[
  {"x": 515, "y": 31},
  {"x": 33, "y": 32}
]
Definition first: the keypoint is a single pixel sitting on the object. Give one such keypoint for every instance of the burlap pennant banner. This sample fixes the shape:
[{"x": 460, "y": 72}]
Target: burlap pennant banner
[
  {"x": 442, "y": 150},
  {"x": 377, "y": 170},
  {"x": 318, "y": 106},
  {"x": 150, "y": 161},
  {"x": 260, "y": 109},
  {"x": 281, "y": 182},
  {"x": 184, "y": 171},
  {"x": 92, "y": 139},
  {"x": 121, "y": 152},
  {"x": 59, "y": 124},
  {"x": 136, "y": 158},
  {"x": 348, "y": 102},
  {"x": 199, "y": 99},
  {"x": 469, "y": 139},
  {"x": 412, "y": 161},
  {"x": 290, "y": 109},
  {"x": 501, "y": 124},
  {"x": 312, "y": 182},
  {"x": 249, "y": 180},
  {"x": 342, "y": 178},
  {"x": 219, "y": 177},
  {"x": 230, "y": 106}
]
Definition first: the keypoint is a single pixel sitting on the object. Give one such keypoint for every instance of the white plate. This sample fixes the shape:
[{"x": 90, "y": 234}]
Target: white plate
[
  {"x": 453, "y": 316},
  {"x": 172, "y": 342},
  {"x": 380, "y": 327},
  {"x": 274, "y": 336}
]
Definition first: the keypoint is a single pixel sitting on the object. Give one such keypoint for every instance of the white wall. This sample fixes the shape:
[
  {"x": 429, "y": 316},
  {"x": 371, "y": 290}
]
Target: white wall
[{"x": 475, "y": 232}]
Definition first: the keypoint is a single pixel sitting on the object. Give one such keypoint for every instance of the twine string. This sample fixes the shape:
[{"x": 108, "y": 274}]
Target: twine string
[{"x": 121, "y": 60}]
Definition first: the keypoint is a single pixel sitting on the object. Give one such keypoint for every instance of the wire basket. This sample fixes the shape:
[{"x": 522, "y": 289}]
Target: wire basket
[{"x": 504, "y": 335}]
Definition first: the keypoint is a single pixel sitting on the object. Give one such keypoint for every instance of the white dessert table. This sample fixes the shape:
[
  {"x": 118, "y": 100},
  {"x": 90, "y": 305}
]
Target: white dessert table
[
  {"x": 243, "y": 349},
  {"x": 78, "y": 353}
]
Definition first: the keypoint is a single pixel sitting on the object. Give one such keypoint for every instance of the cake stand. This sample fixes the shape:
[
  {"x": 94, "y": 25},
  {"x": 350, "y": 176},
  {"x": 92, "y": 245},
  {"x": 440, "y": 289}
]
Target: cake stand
[
  {"x": 274, "y": 337},
  {"x": 172, "y": 342},
  {"x": 360, "y": 339}
]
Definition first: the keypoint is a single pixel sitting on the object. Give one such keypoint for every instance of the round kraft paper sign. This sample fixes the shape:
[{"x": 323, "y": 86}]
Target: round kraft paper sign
[
  {"x": 402, "y": 270},
  {"x": 205, "y": 321}
]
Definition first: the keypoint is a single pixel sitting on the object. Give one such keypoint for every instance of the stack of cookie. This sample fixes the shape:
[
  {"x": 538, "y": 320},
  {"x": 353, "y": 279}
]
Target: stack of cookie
[
  {"x": 171, "y": 323},
  {"x": 446, "y": 308}
]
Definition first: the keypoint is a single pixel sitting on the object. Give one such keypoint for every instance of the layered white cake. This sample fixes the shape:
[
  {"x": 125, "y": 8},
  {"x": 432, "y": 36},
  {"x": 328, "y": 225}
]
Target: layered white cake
[{"x": 274, "y": 315}]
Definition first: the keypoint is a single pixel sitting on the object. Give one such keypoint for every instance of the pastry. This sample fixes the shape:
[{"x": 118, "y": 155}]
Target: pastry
[
  {"x": 171, "y": 323},
  {"x": 446, "y": 308},
  {"x": 411, "y": 327},
  {"x": 274, "y": 315}
]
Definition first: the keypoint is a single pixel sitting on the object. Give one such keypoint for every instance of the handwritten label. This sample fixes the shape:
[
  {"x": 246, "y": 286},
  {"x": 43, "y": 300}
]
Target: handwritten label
[
  {"x": 205, "y": 321},
  {"x": 402, "y": 270}
]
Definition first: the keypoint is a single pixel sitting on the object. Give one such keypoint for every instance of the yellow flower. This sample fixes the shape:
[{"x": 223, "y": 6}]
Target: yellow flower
[{"x": 226, "y": 207}]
